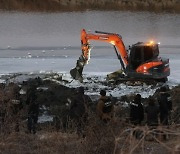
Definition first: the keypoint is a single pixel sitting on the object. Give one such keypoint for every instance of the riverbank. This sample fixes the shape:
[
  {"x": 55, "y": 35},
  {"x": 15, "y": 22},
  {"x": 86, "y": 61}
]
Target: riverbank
[
  {"x": 52, "y": 91},
  {"x": 81, "y": 5}
]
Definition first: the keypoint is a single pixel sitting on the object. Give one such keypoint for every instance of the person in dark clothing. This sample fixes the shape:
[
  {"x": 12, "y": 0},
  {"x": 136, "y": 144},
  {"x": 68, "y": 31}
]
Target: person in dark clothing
[
  {"x": 80, "y": 103},
  {"x": 105, "y": 108},
  {"x": 152, "y": 112},
  {"x": 33, "y": 112},
  {"x": 136, "y": 111},
  {"x": 165, "y": 106},
  {"x": 15, "y": 109},
  {"x": 79, "y": 109},
  {"x": 3, "y": 113},
  {"x": 152, "y": 115}
]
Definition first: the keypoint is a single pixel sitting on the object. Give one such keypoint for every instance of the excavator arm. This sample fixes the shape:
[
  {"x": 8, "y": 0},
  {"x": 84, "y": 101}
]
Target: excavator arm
[{"x": 114, "y": 39}]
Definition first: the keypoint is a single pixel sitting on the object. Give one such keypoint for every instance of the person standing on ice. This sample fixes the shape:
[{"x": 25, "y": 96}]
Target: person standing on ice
[
  {"x": 105, "y": 108},
  {"x": 136, "y": 111}
]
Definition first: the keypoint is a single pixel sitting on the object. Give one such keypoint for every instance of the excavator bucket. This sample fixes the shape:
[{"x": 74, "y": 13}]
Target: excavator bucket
[{"x": 76, "y": 72}]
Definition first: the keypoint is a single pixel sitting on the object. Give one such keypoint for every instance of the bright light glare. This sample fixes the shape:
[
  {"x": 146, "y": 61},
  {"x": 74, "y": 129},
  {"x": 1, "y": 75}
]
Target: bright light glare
[
  {"x": 112, "y": 42},
  {"x": 151, "y": 42}
]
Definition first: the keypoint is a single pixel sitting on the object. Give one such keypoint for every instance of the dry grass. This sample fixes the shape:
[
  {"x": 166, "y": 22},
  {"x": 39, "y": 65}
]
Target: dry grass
[
  {"x": 41, "y": 143},
  {"x": 116, "y": 137}
]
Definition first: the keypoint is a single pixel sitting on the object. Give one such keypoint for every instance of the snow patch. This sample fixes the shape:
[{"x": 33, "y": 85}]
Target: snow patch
[
  {"x": 94, "y": 83},
  {"x": 2, "y": 81},
  {"x": 45, "y": 118}
]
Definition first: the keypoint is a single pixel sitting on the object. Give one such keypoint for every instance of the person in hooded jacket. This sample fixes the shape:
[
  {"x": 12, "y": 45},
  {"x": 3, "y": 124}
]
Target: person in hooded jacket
[
  {"x": 136, "y": 111},
  {"x": 105, "y": 108}
]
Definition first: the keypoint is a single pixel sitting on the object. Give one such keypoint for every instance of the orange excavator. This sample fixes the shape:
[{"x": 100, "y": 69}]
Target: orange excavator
[{"x": 141, "y": 62}]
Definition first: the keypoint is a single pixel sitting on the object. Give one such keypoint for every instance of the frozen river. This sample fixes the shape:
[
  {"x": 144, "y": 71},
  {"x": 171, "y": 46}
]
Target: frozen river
[{"x": 51, "y": 41}]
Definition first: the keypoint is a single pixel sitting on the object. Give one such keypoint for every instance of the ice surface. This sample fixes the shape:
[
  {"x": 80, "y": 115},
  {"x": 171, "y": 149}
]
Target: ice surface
[
  {"x": 95, "y": 84},
  {"x": 94, "y": 73},
  {"x": 94, "y": 76}
]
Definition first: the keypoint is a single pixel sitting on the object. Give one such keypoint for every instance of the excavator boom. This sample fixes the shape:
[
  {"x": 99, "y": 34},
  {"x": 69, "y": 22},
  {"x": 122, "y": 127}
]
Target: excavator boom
[{"x": 114, "y": 39}]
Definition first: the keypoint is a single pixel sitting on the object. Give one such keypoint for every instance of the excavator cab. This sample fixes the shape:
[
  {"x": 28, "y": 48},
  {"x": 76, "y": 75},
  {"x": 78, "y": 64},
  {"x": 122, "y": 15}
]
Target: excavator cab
[
  {"x": 145, "y": 63},
  {"x": 142, "y": 52}
]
